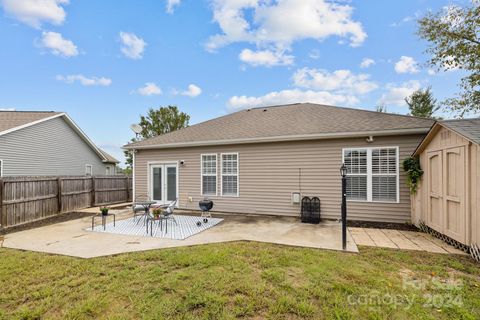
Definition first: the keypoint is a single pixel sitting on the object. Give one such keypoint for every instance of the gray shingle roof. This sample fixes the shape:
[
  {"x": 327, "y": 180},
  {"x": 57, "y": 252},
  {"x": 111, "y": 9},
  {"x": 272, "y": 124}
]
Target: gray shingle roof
[
  {"x": 469, "y": 128},
  {"x": 109, "y": 157},
  {"x": 294, "y": 120},
  {"x": 12, "y": 119}
]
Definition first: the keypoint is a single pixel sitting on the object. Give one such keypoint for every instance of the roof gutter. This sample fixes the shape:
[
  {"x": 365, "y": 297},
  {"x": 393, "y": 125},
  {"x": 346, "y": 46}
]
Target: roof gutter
[{"x": 316, "y": 136}]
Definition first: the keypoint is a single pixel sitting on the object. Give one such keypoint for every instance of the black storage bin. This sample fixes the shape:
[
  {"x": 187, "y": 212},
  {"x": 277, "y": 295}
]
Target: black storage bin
[{"x": 310, "y": 210}]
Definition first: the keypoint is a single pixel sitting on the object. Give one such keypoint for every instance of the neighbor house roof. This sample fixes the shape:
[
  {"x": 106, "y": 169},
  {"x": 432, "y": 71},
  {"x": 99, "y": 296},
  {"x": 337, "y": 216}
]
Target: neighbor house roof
[
  {"x": 109, "y": 157},
  {"x": 288, "y": 122},
  {"x": 468, "y": 128},
  {"x": 11, "y": 121}
]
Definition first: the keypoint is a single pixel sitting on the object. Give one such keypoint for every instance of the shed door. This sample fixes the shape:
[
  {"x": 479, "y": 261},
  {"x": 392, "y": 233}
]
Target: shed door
[
  {"x": 454, "y": 190},
  {"x": 435, "y": 191}
]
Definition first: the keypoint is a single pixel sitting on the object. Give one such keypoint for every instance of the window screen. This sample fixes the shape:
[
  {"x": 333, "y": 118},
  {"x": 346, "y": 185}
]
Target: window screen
[
  {"x": 209, "y": 174},
  {"x": 372, "y": 174},
  {"x": 384, "y": 174},
  {"x": 356, "y": 163},
  {"x": 230, "y": 174}
]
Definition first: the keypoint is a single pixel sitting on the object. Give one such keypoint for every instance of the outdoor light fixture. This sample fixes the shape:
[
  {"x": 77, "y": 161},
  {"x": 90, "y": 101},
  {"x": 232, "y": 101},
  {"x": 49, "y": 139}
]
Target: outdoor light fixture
[
  {"x": 343, "y": 173},
  {"x": 343, "y": 170}
]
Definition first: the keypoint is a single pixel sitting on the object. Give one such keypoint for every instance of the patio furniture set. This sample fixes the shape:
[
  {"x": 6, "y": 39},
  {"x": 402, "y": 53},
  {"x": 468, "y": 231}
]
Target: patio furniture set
[{"x": 142, "y": 210}]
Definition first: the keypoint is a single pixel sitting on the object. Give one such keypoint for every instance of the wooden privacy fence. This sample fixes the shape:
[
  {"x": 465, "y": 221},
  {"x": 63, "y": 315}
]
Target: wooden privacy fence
[{"x": 26, "y": 199}]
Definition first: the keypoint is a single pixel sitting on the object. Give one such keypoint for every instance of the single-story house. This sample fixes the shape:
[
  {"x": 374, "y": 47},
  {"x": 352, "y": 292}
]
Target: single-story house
[
  {"x": 448, "y": 196},
  {"x": 48, "y": 144},
  {"x": 258, "y": 160}
]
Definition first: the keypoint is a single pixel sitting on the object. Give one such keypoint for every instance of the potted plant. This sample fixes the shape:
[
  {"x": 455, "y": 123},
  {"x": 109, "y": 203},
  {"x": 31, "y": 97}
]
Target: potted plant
[
  {"x": 157, "y": 213},
  {"x": 104, "y": 211}
]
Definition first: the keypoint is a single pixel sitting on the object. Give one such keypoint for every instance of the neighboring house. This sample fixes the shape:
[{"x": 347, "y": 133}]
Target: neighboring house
[
  {"x": 48, "y": 144},
  {"x": 254, "y": 160},
  {"x": 448, "y": 197}
]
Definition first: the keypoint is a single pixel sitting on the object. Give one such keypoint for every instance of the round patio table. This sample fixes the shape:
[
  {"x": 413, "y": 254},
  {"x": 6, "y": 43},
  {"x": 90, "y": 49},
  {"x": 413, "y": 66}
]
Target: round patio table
[{"x": 146, "y": 206}]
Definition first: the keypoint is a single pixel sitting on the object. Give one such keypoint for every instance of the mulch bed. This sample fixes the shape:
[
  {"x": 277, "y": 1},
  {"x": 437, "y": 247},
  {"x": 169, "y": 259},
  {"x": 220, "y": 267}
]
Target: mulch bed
[
  {"x": 47, "y": 221},
  {"x": 382, "y": 225}
]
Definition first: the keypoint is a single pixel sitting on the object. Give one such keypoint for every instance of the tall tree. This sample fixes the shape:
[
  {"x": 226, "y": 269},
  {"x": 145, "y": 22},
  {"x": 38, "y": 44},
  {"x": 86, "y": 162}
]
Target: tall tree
[
  {"x": 454, "y": 43},
  {"x": 422, "y": 103},
  {"x": 381, "y": 108},
  {"x": 157, "y": 122}
]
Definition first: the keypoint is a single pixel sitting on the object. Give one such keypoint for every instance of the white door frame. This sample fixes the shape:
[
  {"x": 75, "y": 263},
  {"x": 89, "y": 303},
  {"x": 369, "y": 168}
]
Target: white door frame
[{"x": 163, "y": 165}]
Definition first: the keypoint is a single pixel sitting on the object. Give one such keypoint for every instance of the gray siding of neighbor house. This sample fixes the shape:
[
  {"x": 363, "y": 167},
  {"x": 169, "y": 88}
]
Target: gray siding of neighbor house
[
  {"x": 269, "y": 173},
  {"x": 49, "y": 148}
]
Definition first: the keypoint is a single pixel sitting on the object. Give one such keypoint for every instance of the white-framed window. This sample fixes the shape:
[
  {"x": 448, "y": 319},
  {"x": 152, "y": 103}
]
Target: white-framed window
[
  {"x": 1, "y": 168},
  {"x": 88, "y": 170},
  {"x": 230, "y": 174},
  {"x": 209, "y": 174},
  {"x": 108, "y": 170},
  {"x": 372, "y": 174}
]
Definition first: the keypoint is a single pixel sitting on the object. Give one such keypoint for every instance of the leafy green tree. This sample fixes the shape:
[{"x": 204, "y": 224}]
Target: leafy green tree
[
  {"x": 381, "y": 108},
  {"x": 422, "y": 103},
  {"x": 157, "y": 122},
  {"x": 453, "y": 36}
]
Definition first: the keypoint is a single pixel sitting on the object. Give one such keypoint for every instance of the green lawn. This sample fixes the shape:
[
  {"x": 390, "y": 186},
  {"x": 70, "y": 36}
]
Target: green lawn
[{"x": 240, "y": 280}]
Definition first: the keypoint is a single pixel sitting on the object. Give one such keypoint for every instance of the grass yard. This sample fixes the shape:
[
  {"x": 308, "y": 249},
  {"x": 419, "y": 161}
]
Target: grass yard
[{"x": 240, "y": 280}]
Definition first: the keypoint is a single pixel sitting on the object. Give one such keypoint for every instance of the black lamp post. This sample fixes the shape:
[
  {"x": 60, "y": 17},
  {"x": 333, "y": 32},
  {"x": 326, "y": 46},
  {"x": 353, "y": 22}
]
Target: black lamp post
[{"x": 343, "y": 173}]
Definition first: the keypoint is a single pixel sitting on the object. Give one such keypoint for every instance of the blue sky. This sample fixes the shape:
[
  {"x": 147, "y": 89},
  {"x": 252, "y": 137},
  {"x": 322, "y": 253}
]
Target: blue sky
[{"x": 106, "y": 62}]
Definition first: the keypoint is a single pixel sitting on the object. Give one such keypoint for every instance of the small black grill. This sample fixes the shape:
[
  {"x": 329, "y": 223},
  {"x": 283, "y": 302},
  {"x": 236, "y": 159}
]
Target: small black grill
[{"x": 205, "y": 205}]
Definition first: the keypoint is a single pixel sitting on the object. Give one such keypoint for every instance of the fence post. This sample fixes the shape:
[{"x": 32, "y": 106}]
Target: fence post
[
  {"x": 3, "y": 220},
  {"x": 127, "y": 186},
  {"x": 59, "y": 188},
  {"x": 93, "y": 191}
]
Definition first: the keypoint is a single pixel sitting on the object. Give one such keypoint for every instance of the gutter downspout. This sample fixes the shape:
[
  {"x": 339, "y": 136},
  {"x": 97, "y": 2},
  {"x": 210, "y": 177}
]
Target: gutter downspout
[{"x": 134, "y": 151}]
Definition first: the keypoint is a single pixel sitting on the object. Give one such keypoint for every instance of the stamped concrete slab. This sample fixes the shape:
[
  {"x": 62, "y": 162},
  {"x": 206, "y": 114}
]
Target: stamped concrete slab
[
  {"x": 70, "y": 238},
  {"x": 380, "y": 239},
  {"x": 400, "y": 239}
]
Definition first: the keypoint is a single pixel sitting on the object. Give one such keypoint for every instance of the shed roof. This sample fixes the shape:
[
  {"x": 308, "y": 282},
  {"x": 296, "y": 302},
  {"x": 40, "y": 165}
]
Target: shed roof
[
  {"x": 288, "y": 122},
  {"x": 469, "y": 128}
]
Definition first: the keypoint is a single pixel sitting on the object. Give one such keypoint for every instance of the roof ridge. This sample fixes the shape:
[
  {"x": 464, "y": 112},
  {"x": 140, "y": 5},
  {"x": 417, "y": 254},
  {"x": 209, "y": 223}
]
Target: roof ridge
[
  {"x": 26, "y": 111},
  {"x": 463, "y": 119}
]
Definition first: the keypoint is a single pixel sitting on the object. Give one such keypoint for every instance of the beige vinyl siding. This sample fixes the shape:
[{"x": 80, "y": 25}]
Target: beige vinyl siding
[
  {"x": 269, "y": 173},
  {"x": 468, "y": 214}
]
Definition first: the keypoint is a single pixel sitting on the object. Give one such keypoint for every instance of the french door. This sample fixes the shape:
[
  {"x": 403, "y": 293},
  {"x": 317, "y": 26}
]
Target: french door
[{"x": 163, "y": 183}]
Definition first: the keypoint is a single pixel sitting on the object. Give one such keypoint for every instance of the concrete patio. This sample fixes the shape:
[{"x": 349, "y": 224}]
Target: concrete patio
[
  {"x": 72, "y": 239},
  {"x": 401, "y": 239}
]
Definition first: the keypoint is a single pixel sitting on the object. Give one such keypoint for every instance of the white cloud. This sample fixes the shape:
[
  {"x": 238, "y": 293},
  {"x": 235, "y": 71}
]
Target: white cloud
[
  {"x": 192, "y": 91},
  {"x": 58, "y": 45},
  {"x": 171, "y": 4},
  {"x": 35, "y": 12},
  {"x": 85, "y": 81},
  {"x": 431, "y": 72},
  {"x": 406, "y": 65},
  {"x": 149, "y": 89},
  {"x": 367, "y": 62},
  {"x": 396, "y": 94},
  {"x": 281, "y": 23},
  {"x": 132, "y": 45},
  {"x": 341, "y": 81},
  {"x": 266, "y": 58},
  {"x": 290, "y": 96}
]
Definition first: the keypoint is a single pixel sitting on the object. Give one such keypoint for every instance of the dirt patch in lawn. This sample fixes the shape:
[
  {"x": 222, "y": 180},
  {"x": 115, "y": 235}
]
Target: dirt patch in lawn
[{"x": 383, "y": 225}]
